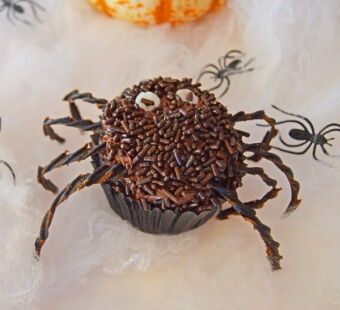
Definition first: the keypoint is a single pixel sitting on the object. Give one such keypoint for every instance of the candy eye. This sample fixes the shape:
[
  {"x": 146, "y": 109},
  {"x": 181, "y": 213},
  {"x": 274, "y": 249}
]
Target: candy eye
[
  {"x": 148, "y": 100},
  {"x": 187, "y": 95}
]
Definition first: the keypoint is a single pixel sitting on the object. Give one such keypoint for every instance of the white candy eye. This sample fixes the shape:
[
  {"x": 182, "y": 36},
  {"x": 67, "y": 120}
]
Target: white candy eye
[
  {"x": 148, "y": 100},
  {"x": 187, "y": 95}
]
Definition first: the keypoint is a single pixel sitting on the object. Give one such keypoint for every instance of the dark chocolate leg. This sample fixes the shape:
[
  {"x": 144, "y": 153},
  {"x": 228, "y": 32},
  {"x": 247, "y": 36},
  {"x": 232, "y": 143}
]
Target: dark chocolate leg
[
  {"x": 249, "y": 214},
  {"x": 100, "y": 175},
  {"x": 85, "y": 125},
  {"x": 65, "y": 159},
  {"x": 87, "y": 97},
  {"x": 294, "y": 185},
  {"x": 270, "y": 134},
  {"x": 258, "y": 203}
]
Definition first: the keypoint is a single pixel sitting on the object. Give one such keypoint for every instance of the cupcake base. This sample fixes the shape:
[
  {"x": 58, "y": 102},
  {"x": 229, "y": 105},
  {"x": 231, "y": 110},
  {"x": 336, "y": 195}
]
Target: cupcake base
[{"x": 155, "y": 221}]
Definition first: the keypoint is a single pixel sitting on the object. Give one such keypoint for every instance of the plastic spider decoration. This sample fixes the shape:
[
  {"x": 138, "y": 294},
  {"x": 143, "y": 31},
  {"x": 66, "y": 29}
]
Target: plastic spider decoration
[
  {"x": 229, "y": 64},
  {"x": 307, "y": 135},
  {"x": 171, "y": 146},
  {"x": 16, "y": 9},
  {"x": 2, "y": 162}
]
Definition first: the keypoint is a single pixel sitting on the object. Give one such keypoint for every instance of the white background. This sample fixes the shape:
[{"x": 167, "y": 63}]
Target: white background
[{"x": 93, "y": 259}]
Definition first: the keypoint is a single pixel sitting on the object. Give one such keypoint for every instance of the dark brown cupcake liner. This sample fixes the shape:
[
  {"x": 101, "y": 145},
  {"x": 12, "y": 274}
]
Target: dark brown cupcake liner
[{"x": 155, "y": 220}]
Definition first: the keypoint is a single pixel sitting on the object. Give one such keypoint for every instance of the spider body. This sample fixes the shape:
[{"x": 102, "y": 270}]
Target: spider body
[
  {"x": 309, "y": 137},
  {"x": 228, "y": 65},
  {"x": 15, "y": 10},
  {"x": 171, "y": 156}
]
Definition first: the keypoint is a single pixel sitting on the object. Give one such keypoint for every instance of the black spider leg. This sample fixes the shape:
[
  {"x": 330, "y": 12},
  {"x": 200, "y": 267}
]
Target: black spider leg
[
  {"x": 98, "y": 176},
  {"x": 10, "y": 169},
  {"x": 233, "y": 65},
  {"x": 258, "y": 203},
  {"x": 299, "y": 116},
  {"x": 294, "y": 185},
  {"x": 231, "y": 68},
  {"x": 249, "y": 214},
  {"x": 9, "y": 15},
  {"x": 19, "y": 9},
  {"x": 204, "y": 71},
  {"x": 85, "y": 125},
  {"x": 222, "y": 61},
  {"x": 294, "y": 145},
  {"x": 226, "y": 78},
  {"x": 269, "y": 135},
  {"x": 65, "y": 159},
  {"x": 322, "y": 134}
]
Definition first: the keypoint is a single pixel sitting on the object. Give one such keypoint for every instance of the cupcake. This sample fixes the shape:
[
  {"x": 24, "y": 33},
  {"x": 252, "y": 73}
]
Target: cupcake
[{"x": 168, "y": 155}]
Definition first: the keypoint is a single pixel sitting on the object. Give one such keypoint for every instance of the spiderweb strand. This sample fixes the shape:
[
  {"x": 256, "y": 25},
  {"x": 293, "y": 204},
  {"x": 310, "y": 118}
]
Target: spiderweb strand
[
  {"x": 98, "y": 176},
  {"x": 65, "y": 159}
]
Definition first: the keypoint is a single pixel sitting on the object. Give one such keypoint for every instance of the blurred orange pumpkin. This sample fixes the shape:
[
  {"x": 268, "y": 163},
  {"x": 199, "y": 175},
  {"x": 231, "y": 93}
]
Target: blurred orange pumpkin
[{"x": 149, "y": 12}]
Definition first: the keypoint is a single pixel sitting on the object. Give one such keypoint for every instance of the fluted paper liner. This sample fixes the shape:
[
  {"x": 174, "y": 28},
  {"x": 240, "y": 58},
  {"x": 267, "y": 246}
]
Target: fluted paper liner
[{"x": 155, "y": 221}]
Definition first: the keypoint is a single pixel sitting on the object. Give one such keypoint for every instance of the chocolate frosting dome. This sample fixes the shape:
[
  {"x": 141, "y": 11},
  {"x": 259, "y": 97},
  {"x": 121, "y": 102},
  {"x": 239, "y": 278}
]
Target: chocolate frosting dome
[{"x": 175, "y": 142}]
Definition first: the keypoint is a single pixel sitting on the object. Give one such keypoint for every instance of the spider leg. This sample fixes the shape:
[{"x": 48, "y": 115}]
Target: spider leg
[
  {"x": 9, "y": 16},
  {"x": 85, "y": 125},
  {"x": 227, "y": 88},
  {"x": 65, "y": 159},
  {"x": 98, "y": 176},
  {"x": 258, "y": 203},
  {"x": 87, "y": 97},
  {"x": 34, "y": 6},
  {"x": 249, "y": 214},
  {"x": 210, "y": 66},
  {"x": 286, "y": 143},
  {"x": 328, "y": 126},
  {"x": 216, "y": 87},
  {"x": 291, "y": 145},
  {"x": 247, "y": 64},
  {"x": 205, "y": 72},
  {"x": 322, "y": 146},
  {"x": 269, "y": 135},
  {"x": 228, "y": 56},
  {"x": 326, "y": 153},
  {"x": 292, "y": 152},
  {"x": 9, "y": 167},
  {"x": 294, "y": 185},
  {"x": 299, "y": 116}
]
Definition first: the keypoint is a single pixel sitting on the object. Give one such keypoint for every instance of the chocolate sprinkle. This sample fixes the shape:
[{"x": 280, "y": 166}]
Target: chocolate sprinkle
[{"x": 175, "y": 151}]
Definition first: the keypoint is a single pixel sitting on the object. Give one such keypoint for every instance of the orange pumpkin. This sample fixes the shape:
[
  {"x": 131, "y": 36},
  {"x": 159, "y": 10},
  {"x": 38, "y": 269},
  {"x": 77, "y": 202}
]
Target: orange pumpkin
[{"x": 149, "y": 12}]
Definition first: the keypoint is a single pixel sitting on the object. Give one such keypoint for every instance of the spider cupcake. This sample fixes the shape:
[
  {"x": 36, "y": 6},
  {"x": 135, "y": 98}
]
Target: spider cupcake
[{"x": 168, "y": 155}]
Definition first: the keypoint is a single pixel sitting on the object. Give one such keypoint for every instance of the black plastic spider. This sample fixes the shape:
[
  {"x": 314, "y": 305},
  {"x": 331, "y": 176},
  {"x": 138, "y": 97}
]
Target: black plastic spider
[
  {"x": 307, "y": 137},
  {"x": 229, "y": 64},
  {"x": 15, "y": 10},
  {"x": 6, "y": 164}
]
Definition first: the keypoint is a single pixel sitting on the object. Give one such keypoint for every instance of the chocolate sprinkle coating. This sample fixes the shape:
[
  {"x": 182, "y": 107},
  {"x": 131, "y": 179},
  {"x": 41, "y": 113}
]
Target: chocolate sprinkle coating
[{"x": 174, "y": 150}]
